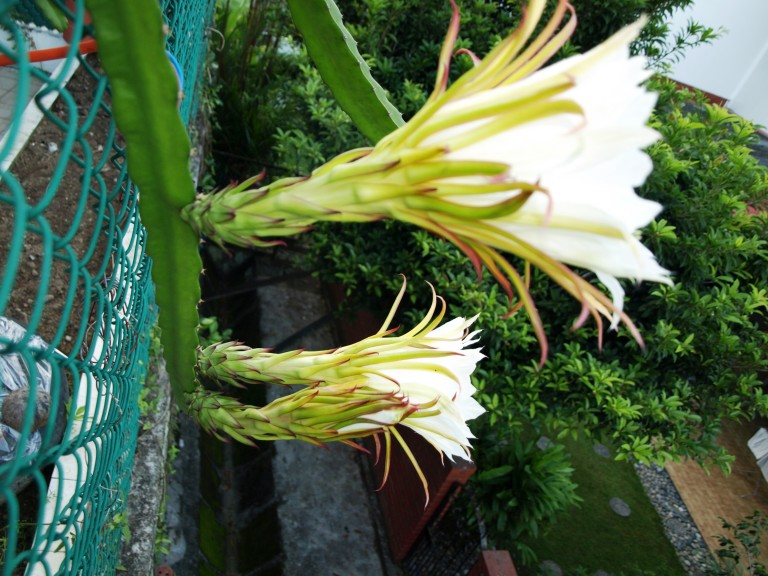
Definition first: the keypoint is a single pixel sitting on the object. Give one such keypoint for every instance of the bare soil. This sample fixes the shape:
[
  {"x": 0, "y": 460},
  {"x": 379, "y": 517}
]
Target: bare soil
[
  {"x": 76, "y": 212},
  {"x": 66, "y": 237}
]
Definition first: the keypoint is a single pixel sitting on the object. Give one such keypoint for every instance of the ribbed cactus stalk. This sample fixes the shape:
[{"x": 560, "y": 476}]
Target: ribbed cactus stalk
[{"x": 511, "y": 158}]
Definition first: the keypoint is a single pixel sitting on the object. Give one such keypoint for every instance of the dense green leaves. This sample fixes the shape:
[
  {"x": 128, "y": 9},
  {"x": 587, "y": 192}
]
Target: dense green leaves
[
  {"x": 522, "y": 488},
  {"x": 705, "y": 342},
  {"x": 706, "y": 348}
]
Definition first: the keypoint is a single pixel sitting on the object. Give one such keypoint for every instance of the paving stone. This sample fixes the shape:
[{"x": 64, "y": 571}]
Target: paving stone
[
  {"x": 550, "y": 568},
  {"x": 544, "y": 443},
  {"x": 620, "y": 507},
  {"x": 602, "y": 450}
]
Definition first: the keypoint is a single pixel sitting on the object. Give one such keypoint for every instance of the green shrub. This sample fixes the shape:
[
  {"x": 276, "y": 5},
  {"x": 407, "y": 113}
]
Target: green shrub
[
  {"x": 706, "y": 348},
  {"x": 705, "y": 343},
  {"x": 521, "y": 488},
  {"x": 741, "y": 548}
]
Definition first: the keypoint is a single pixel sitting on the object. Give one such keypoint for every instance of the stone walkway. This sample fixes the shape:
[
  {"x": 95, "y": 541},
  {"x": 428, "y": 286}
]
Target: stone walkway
[{"x": 680, "y": 527}]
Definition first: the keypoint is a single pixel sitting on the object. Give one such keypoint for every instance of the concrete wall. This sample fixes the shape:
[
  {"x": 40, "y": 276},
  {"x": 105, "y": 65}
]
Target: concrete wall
[{"x": 735, "y": 66}]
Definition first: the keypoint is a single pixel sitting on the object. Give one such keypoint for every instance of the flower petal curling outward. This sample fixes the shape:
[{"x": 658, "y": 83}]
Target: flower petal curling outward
[
  {"x": 513, "y": 157},
  {"x": 586, "y": 164},
  {"x": 420, "y": 380}
]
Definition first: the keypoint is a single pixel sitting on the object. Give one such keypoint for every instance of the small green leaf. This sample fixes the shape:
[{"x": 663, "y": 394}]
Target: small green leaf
[{"x": 494, "y": 473}]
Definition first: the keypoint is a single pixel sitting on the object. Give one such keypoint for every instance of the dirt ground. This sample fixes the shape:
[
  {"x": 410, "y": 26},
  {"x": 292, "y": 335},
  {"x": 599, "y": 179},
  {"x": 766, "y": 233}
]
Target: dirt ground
[
  {"x": 71, "y": 211},
  {"x": 81, "y": 234},
  {"x": 711, "y": 498}
]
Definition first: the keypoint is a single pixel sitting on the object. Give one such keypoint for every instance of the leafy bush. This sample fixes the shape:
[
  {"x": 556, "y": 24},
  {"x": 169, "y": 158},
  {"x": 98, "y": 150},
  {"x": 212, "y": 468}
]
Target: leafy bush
[
  {"x": 705, "y": 337},
  {"x": 273, "y": 110},
  {"x": 521, "y": 488},
  {"x": 740, "y": 549},
  {"x": 246, "y": 60},
  {"x": 706, "y": 348}
]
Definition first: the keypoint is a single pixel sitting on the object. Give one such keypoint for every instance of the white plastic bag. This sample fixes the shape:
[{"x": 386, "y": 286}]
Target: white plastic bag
[{"x": 14, "y": 381}]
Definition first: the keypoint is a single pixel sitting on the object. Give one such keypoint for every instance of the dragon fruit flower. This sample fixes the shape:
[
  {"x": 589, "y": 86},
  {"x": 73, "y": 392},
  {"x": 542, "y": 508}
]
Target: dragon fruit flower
[
  {"x": 513, "y": 157},
  {"x": 420, "y": 380}
]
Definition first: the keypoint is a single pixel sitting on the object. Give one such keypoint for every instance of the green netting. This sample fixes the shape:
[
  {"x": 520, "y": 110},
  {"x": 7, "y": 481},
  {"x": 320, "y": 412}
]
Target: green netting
[
  {"x": 76, "y": 300},
  {"x": 189, "y": 22}
]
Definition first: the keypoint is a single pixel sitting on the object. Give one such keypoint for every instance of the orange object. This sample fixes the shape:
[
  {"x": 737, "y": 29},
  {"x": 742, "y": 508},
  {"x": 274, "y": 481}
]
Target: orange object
[
  {"x": 87, "y": 46},
  {"x": 494, "y": 563}
]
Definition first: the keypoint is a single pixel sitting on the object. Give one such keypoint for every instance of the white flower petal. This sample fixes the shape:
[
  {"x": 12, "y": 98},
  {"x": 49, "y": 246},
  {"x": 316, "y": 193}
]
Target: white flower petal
[
  {"x": 588, "y": 165},
  {"x": 443, "y": 432},
  {"x": 624, "y": 257},
  {"x": 617, "y": 294},
  {"x": 469, "y": 408},
  {"x": 431, "y": 384}
]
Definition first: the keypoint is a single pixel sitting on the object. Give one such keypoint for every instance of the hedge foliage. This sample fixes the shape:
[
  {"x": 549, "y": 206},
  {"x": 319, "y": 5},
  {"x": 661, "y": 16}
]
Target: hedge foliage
[{"x": 706, "y": 349}]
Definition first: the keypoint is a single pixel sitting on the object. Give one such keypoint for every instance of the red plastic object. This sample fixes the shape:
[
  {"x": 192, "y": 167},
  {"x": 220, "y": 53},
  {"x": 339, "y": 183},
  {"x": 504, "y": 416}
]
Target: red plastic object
[
  {"x": 494, "y": 563},
  {"x": 87, "y": 46},
  {"x": 402, "y": 498}
]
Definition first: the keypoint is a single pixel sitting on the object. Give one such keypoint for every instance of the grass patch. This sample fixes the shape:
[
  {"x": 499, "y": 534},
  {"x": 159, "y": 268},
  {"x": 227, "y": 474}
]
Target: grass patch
[{"x": 593, "y": 537}]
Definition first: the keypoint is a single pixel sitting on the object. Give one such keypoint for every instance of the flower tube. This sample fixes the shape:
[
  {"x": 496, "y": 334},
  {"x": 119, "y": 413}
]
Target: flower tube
[
  {"x": 540, "y": 163},
  {"x": 420, "y": 380}
]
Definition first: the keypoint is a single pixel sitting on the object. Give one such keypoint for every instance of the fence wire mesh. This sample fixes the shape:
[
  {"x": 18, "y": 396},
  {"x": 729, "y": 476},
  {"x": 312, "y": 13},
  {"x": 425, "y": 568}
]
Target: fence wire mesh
[{"x": 76, "y": 299}]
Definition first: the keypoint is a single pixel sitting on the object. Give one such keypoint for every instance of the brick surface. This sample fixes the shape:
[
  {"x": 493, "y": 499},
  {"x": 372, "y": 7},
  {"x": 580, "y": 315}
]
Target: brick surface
[{"x": 712, "y": 497}]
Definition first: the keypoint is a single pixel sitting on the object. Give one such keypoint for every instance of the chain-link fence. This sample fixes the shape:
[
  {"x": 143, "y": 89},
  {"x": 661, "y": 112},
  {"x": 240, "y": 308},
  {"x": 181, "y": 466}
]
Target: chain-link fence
[{"x": 76, "y": 300}]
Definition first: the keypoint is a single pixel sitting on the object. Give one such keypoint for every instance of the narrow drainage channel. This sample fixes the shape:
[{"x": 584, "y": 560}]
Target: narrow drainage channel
[
  {"x": 325, "y": 507},
  {"x": 238, "y": 521}
]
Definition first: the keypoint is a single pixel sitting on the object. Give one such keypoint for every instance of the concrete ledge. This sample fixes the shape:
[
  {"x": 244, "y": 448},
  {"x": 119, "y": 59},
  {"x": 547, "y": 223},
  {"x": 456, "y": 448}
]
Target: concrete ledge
[{"x": 148, "y": 478}]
